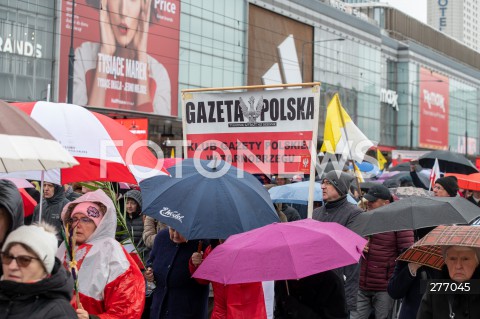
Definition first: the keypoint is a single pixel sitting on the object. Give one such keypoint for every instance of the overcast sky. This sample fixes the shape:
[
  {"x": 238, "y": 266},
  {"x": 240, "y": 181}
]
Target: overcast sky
[{"x": 414, "y": 8}]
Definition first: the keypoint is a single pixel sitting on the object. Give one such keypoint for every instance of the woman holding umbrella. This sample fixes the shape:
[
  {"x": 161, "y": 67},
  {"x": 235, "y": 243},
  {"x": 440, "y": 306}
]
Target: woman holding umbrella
[{"x": 177, "y": 295}]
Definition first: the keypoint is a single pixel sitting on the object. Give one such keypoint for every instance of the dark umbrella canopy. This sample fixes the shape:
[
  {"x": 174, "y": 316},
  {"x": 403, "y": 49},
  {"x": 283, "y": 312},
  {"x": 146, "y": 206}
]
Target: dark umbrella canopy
[
  {"x": 404, "y": 167},
  {"x": 415, "y": 213},
  {"x": 400, "y": 176},
  {"x": 365, "y": 186},
  {"x": 203, "y": 199},
  {"x": 449, "y": 162}
]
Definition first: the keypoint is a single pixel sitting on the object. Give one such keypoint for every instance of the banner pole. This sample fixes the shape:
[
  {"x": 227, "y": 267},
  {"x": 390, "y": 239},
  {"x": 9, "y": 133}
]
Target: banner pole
[{"x": 313, "y": 152}]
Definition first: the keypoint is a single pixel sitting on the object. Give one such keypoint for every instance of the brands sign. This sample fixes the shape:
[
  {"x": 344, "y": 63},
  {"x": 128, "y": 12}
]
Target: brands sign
[
  {"x": 266, "y": 132},
  {"x": 434, "y": 109},
  {"x": 20, "y": 47}
]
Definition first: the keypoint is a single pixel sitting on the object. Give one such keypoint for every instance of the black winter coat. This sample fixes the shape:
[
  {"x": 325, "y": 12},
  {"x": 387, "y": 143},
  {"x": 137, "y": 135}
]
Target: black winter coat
[
  {"x": 52, "y": 208},
  {"x": 135, "y": 227},
  {"x": 46, "y": 299},
  {"x": 320, "y": 296},
  {"x": 402, "y": 285}
]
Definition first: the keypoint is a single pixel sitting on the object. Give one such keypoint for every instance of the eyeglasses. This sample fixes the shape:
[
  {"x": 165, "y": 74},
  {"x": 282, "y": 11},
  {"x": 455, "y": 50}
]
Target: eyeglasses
[
  {"x": 438, "y": 188},
  {"x": 83, "y": 220},
  {"x": 22, "y": 261}
]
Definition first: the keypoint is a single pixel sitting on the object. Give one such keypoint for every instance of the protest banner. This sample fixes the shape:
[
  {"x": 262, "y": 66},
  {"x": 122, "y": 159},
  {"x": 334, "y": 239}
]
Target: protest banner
[{"x": 267, "y": 131}]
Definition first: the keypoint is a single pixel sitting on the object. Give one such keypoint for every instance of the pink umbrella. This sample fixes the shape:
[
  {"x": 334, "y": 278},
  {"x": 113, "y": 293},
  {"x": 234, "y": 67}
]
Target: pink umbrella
[{"x": 282, "y": 251}]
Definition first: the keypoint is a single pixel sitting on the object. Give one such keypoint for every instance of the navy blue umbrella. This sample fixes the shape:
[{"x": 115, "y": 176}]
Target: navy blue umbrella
[{"x": 207, "y": 199}]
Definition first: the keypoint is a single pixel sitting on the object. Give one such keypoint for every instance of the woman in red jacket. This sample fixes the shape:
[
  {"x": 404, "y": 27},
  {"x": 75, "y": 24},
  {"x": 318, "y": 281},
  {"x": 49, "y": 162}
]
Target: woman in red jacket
[{"x": 233, "y": 301}]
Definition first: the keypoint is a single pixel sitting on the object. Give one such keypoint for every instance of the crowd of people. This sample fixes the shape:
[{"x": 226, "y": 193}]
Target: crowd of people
[{"x": 88, "y": 272}]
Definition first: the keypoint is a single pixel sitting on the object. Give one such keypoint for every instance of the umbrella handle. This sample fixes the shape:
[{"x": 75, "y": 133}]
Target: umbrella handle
[
  {"x": 199, "y": 248},
  {"x": 288, "y": 290}
]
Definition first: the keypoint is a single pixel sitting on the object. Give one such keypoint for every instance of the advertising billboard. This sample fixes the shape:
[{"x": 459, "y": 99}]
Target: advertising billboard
[
  {"x": 434, "y": 108},
  {"x": 126, "y": 54}
]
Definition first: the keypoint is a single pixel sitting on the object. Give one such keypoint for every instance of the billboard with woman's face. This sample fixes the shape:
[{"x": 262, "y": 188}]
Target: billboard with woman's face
[{"x": 126, "y": 54}]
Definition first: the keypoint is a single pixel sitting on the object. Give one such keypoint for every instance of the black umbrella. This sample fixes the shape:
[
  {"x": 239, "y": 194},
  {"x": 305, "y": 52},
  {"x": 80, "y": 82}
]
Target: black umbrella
[
  {"x": 449, "y": 162},
  {"x": 396, "y": 180},
  {"x": 404, "y": 167},
  {"x": 415, "y": 213}
]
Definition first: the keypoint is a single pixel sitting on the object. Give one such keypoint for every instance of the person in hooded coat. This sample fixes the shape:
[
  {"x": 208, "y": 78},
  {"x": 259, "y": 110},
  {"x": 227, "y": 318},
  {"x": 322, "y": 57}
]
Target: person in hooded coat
[
  {"x": 11, "y": 210},
  {"x": 34, "y": 284},
  {"x": 110, "y": 284},
  {"x": 53, "y": 202},
  {"x": 134, "y": 218}
]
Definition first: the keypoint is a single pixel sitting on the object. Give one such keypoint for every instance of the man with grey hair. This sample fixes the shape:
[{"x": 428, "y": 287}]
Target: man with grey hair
[{"x": 336, "y": 208}]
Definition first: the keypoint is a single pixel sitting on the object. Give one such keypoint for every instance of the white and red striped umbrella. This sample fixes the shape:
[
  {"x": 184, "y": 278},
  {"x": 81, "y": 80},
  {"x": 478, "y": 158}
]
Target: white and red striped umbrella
[{"x": 105, "y": 149}]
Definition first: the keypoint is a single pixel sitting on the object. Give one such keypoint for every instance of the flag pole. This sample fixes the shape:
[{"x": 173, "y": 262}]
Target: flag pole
[
  {"x": 313, "y": 151},
  {"x": 350, "y": 154}
]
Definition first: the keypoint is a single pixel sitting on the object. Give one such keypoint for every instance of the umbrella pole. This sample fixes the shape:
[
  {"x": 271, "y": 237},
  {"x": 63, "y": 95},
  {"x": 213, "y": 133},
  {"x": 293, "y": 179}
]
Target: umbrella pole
[
  {"x": 288, "y": 290},
  {"x": 41, "y": 197}
]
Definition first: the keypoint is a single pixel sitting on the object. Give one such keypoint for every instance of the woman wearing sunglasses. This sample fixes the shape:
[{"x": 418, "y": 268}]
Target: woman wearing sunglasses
[
  {"x": 110, "y": 284},
  {"x": 34, "y": 283}
]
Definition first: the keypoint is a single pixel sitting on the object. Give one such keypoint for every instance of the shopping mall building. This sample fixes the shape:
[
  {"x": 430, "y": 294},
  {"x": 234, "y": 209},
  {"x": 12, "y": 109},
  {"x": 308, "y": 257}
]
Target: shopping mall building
[{"x": 404, "y": 84}]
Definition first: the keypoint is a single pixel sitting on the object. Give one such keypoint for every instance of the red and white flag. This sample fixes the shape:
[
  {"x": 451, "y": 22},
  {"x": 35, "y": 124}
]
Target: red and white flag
[{"x": 434, "y": 174}]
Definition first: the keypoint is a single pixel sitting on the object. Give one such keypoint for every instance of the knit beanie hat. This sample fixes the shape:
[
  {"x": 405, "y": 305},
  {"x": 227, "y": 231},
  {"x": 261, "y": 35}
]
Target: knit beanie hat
[
  {"x": 449, "y": 183},
  {"x": 340, "y": 180},
  {"x": 89, "y": 209},
  {"x": 40, "y": 238}
]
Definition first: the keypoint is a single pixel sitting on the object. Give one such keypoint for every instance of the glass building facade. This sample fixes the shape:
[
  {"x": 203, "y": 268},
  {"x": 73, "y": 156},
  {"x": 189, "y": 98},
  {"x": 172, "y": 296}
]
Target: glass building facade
[
  {"x": 27, "y": 49},
  {"x": 212, "y": 44}
]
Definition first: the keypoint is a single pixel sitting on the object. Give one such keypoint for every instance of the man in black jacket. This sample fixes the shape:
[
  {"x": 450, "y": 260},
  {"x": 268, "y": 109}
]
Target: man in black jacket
[
  {"x": 337, "y": 209},
  {"x": 53, "y": 202}
]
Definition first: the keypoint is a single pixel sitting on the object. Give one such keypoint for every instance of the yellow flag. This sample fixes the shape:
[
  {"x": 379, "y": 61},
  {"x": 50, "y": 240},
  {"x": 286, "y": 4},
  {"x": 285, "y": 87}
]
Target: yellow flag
[
  {"x": 357, "y": 172},
  {"x": 381, "y": 160},
  {"x": 341, "y": 135},
  {"x": 172, "y": 153}
]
